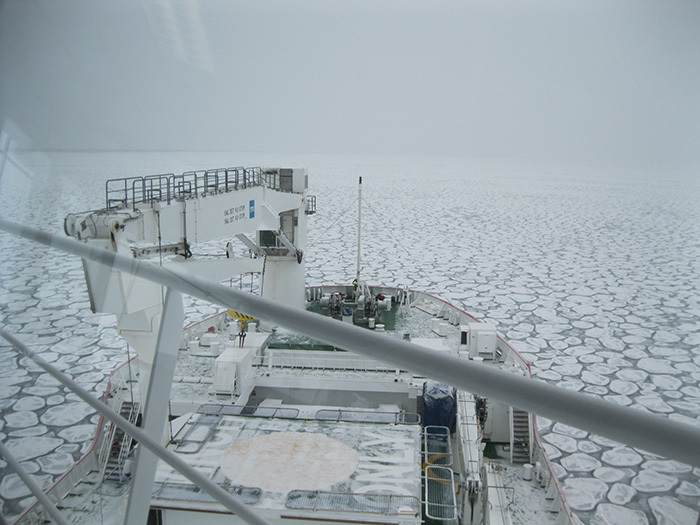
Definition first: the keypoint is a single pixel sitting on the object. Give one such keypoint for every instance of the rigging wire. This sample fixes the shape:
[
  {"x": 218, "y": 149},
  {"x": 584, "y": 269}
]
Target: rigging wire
[
  {"x": 131, "y": 379},
  {"x": 160, "y": 255},
  {"x": 340, "y": 216}
]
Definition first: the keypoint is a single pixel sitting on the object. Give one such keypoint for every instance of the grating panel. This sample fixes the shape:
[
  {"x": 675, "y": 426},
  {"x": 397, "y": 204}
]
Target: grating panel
[
  {"x": 186, "y": 492},
  {"x": 112, "y": 488},
  {"x": 392, "y": 504},
  {"x": 440, "y": 499},
  {"x": 366, "y": 416}
]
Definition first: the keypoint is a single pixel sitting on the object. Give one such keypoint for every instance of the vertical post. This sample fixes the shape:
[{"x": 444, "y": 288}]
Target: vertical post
[
  {"x": 156, "y": 407},
  {"x": 5, "y": 141},
  {"x": 359, "y": 229}
]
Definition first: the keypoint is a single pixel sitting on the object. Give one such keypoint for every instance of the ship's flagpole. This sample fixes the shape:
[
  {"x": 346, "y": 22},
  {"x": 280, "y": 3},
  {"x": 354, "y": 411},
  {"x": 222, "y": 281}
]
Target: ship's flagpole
[{"x": 359, "y": 230}]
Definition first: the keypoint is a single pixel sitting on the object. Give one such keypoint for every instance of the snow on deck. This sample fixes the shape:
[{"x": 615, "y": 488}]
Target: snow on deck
[{"x": 279, "y": 456}]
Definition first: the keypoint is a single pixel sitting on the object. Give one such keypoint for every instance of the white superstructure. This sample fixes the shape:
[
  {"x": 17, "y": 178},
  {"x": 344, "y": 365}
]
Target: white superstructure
[{"x": 159, "y": 217}]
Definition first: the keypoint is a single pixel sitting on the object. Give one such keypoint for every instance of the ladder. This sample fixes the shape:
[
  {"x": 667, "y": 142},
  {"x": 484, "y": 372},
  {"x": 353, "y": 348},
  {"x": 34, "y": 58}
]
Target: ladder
[
  {"x": 112, "y": 469},
  {"x": 519, "y": 436}
]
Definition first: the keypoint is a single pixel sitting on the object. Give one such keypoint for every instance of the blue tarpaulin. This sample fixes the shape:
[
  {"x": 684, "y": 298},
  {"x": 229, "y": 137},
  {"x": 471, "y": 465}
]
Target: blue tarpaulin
[{"x": 439, "y": 405}]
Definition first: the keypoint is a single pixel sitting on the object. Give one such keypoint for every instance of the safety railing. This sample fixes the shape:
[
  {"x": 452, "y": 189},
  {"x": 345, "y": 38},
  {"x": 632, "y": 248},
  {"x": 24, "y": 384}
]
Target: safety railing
[
  {"x": 130, "y": 191},
  {"x": 310, "y": 207},
  {"x": 437, "y": 448},
  {"x": 546, "y": 474},
  {"x": 319, "y": 360}
]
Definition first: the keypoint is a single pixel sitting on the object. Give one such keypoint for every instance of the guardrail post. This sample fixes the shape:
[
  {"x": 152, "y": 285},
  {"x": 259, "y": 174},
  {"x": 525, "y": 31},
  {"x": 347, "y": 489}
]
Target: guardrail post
[{"x": 156, "y": 405}]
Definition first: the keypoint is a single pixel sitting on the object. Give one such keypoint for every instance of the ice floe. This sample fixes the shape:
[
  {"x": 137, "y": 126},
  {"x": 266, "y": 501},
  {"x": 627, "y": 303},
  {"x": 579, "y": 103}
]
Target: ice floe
[
  {"x": 570, "y": 431},
  {"x": 666, "y": 382},
  {"x": 652, "y": 481},
  {"x": 21, "y": 419},
  {"x": 32, "y": 447},
  {"x": 57, "y": 463},
  {"x": 664, "y": 336},
  {"x": 66, "y": 414},
  {"x": 584, "y": 493},
  {"x": 29, "y": 403},
  {"x": 609, "y": 474},
  {"x": 589, "y": 447},
  {"x": 621, "y": 494},
  {"x": 78, "y": 433},
  {"x": 8, "y": 391},
  {"x": 692, "y": 391},
  {"x": 36, "y": 430},
  {"x": 667, "y": 466},
  {"x": 552, "y": 451},
  {"x": 621, "y": 457},
  {"x": 656, "y": 366},
  {"x": 632, "y": 374},
  {"x": 55, "y": 400},
  {"x": 608, "y": 514},
  {"x": 563, "y": 443},
  {"x": 688, "y": 489},
  {"x": 654, "y": 403},
  {"x": 12, "y": 486},
  {"x": 580, "y": 462},
  {"x": 667, "y": 511},
  {"x": 594, "y": 378},
  {"x": 623, "y": 387}
]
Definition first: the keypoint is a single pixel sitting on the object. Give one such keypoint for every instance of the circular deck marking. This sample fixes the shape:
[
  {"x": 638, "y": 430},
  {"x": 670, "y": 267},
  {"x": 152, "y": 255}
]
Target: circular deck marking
[{"x": 285, "y": 461}]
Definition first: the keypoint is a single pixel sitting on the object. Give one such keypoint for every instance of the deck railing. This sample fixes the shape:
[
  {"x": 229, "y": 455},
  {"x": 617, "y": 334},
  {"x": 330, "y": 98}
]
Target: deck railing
[{"x": 130, "y": 191}]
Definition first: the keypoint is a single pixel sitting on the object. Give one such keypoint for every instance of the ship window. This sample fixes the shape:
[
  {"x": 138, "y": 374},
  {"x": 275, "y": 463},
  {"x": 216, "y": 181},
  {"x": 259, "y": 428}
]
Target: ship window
[
  {"x": 268, "y": 238},
  {"x": 286, "y": 179}
]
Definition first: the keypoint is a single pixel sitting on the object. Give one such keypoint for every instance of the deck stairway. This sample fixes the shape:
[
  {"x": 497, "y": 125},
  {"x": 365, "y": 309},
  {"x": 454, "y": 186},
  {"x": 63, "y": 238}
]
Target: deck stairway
[
  {"x": 114, "y": 478},
  {"x": 519, "y": 436}
]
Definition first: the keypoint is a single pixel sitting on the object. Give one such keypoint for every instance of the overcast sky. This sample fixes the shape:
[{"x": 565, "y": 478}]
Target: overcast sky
[{"x": 578, "y": 81}]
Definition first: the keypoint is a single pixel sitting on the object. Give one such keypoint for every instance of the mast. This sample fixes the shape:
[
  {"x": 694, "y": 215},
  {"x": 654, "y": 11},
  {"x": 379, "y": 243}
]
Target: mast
[{"x": 359, "y": 229}]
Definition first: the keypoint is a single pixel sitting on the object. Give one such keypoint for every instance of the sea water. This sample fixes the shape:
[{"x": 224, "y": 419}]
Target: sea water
[{"x": 592, "y": 273}]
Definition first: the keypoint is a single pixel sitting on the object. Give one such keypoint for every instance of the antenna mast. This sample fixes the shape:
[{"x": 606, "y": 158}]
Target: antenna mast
[{"x": 359, "y": 229}]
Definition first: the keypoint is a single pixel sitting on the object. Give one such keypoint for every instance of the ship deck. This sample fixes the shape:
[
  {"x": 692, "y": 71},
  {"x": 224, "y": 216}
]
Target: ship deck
[{"x": 297, "y": 467}]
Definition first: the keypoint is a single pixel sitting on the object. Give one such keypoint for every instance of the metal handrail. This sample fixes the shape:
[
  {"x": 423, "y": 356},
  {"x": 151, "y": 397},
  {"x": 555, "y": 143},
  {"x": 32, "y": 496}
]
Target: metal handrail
[
  {"x": 669, "y": 438},
  {"x": 130, "y": 191},
  {"x": 299, "y": 359}
]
